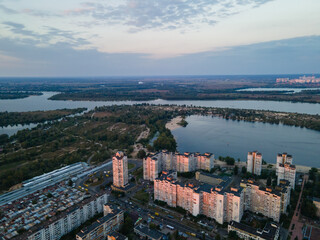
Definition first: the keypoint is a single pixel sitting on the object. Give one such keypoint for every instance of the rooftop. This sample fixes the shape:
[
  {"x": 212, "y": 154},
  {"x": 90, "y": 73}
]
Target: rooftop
[
  {"x": 268, "y": 232},
  {"x": 149, "y": 232}
]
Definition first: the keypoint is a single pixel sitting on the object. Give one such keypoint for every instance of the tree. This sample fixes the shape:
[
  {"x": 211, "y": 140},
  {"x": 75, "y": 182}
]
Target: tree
[
  {"x": 218, "y": 237},
  {"x": 141, "y": 154},
  {"x": 229, "y": 160},
  {"x": 244, "y": 170},
  {"x": 269, "y": 181},
  {"x": 235, "y": 170}
]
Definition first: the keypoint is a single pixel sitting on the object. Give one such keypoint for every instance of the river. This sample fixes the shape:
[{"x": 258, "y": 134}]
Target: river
[{"x": 236, "y": 138}]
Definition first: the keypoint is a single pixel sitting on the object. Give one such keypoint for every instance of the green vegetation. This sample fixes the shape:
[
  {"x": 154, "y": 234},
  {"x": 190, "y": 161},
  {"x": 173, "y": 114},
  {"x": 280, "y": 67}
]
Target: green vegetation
[
  {"x": 13, "y": 118},
  {"x": 227, "y": 159},
  {"x": 183, "y": 123},
  {"x": 141, "y": 154},
  {"x": 53, "y": 145},
  {"x": 165, "y": 141},
  {"x": 16, "y": 95},
  {"x": 138, "y": 173},
  {"x": 131, "y": 165},
  {"x": 142, "y": 196},
  {"x": 127, "y": 226}
]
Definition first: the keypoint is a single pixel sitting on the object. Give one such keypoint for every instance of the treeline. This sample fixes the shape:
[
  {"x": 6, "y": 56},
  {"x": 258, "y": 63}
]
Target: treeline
[
  {"x": 17, "y": 95},
  {"x": 13, "y": 118}
]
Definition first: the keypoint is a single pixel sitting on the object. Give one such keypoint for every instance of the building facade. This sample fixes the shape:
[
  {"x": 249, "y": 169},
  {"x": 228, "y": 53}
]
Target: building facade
[
  {"x": 120, "y": 170},
  {"x": 254, "y": 162},
  {"x": 65, "y": 222},
  {"x": 111, "y": 221},
  {"x": 267, "y": 201},
  {"x": 285, "y": 169},
  {"x": 181, "y": 162},
  {"x": 218, "y": 202}
]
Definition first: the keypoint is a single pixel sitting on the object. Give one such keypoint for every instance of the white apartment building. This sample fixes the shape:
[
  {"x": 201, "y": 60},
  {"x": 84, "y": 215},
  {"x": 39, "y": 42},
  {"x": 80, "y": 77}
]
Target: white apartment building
[
  {"x": 218, "y": 202},
  {"x": 269, "y": 202},
  {"x": 254, "y": 162},
  {"x": 111, "y": 221},
  {"x": 285, "y": 170},
  {"x": 65, "y": 222},
  {"x": 120, "y": 170},
  {"x": 186, "y": 162}
]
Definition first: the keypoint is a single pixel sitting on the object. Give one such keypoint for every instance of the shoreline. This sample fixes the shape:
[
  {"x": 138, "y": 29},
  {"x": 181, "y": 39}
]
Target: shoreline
[{"x": 174, "y": 123}]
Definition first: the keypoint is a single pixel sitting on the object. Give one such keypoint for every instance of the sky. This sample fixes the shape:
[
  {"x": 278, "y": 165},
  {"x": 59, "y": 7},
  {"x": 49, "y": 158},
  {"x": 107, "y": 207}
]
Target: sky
[{"x": 158, "y": 37}]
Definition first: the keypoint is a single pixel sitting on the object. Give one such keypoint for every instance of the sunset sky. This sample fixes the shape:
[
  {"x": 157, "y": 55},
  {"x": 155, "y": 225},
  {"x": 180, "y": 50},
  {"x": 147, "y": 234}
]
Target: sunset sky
[{"x": 163, "y": 37}]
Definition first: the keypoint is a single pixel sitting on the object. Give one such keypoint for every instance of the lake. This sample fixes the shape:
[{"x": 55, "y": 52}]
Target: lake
[{"x": 236, "y": 138}]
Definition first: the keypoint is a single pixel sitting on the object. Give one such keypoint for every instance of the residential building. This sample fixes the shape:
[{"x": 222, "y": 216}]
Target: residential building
[
  {"x": 267, "y": 201},
  {"x": 147, "y": 233},
  {"x": 66, "y": 221},
  {"x": 271, "y": 231},
  {"x": 285, "y": 169},
  {"x": 254, "y": 162},
  {"x": 154, "y": 163},
  {"x": 111, "y": 221},
  {"x": 221, "y": 202},
  {"x": 120, "y": 170}
]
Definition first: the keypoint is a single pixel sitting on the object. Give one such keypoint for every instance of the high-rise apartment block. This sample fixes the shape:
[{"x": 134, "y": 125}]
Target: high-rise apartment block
[
  {"x": 221, "y": 202},
  {"x": 285, "y": 170},
  {"x": 185, "y": 162},
  {"x": 111, "y": 221},
  {"x": 267, "y": 201},
  {"x": 120, "y": 170},
  {"x": 66, "y": 221},
  {"x": 254, "y": 162}
]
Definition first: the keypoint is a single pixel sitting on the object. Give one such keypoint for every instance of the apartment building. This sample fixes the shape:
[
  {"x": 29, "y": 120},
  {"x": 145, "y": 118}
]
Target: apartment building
[
  {"x": 120, "y": 170},
  {"x": 271, "y": 231},
  {"x": 66, "y": 221},
  {"x": 218, "y": 202},
  {"x": 181, "y": 162},
  {"x": 267, "y": 201},
  {"x": 254, "y": 162},
  {"x": 111, "y": 221},
  {"x": 285, "y": 169}
]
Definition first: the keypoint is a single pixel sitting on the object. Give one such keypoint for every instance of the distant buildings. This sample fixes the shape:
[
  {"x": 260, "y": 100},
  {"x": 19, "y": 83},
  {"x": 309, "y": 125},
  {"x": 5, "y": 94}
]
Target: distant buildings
[
  {"x": 66, "y": 221},
  {"x": 285, "y": 170},
  {"x": 254, "y": 162},
  {"x": 120, "y": 170},
  {"x": 186, "y": 162},
  {"x": 111, "y": 221},
  {"x": 221, "y": 202},
  {"x": 267, "y": 201},
  {"x": 300, "y": 80},
  {"x": 271, "y": 231}
]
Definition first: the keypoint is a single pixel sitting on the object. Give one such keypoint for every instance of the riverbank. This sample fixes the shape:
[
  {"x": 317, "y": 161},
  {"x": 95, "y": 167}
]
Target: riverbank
[{"x": 174, "y": 123}]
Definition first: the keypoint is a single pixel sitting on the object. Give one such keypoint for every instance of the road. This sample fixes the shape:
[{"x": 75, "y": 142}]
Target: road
[{"x": 295, "y": 224}]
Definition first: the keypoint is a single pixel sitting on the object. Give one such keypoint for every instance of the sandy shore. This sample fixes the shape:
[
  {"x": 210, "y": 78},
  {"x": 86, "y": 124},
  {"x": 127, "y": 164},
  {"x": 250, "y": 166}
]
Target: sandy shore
[{"x": 173, "y": 124}]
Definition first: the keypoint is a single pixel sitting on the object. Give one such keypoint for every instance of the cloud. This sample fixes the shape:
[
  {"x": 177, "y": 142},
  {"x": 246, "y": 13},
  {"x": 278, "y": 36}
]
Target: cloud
[
  {"x": 141, "y": 15},
  {"x": 51, "y": 35},
  {"x": 7, "y": 10},
  {"x": 275, "y": 57}
]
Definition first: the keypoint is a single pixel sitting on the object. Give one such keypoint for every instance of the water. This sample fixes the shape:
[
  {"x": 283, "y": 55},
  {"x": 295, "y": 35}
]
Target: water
[
  {"x": 11, "y": 130},
  {"x": 289, "y": 90},
  {"x": 236, "y": 138},
  {"x": 34, "y": 103}
]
